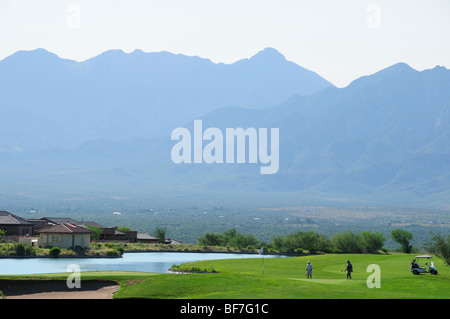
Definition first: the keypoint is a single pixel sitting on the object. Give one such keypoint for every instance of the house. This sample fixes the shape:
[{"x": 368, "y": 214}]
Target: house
[
  {"x": 146, "y": 238},
  {"x": 108, "y": 233},
  {"x": 126, "y": 235},
  {"x": 173, "y": 241},
  {"x": 149, "y": 239},
  {"x": 65, "y": 235},
  {"x": 15, "y": 225},
  {"x": 65, "y": 232},
  {"x": 111, "y": 233},
  {"x": 30, "y": 241},
  {"x": 46, "y": 222}
]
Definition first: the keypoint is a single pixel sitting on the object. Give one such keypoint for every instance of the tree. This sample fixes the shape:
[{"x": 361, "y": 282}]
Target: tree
[
  {"x": 231, "y": 233},
  {"x": 2, "y": 234},
  {"x": 304, "y": 240},
  {"x": 278, "y": 242},
  {"x": 313, "y": 242},
  {"x": 242, "y": 241},
  {"x": 347, "y": 242},
  {"x": 211, "y": 239},
  {"x": 372, "y": 242},
  {"x": 440, "y": 246},
  {"x": 97, "y": 230},
  {"x": 230, "y": 238},
  {"x": 402, "y": 237},
  {"x": 160, "y": 234}
]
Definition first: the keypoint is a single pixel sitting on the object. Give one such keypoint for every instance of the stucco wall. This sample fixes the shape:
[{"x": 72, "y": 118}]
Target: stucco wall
[{"x": 65, "y": 240}]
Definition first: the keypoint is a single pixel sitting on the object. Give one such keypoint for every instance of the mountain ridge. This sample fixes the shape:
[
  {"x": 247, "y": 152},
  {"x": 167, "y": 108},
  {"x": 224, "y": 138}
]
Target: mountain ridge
[
  {"x": 385, "y": 137},
  {"x": 122, "y": 95}
]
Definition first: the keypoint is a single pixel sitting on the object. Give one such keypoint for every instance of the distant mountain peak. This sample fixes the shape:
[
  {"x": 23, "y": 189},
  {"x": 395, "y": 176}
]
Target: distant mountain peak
[
  {"x": 138, "y": 51},
  {"x": 112, "y": 53},
  {"x": 397, "y": 70},
  {"x": 268, "y": 54},
  {"x": 440, "y": 68},
  {"x": 400, "y": 66},
  {"x": 36, "y": 58},
  {"x": 37, "y": 53}
]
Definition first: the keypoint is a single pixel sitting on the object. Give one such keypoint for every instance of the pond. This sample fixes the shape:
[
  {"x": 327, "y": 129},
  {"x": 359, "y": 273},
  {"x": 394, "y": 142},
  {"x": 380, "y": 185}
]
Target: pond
[{"x": 158, "y": 262}]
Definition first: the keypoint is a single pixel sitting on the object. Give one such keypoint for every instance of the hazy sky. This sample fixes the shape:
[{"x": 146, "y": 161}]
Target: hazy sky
[{"x": 340, "y": 40}]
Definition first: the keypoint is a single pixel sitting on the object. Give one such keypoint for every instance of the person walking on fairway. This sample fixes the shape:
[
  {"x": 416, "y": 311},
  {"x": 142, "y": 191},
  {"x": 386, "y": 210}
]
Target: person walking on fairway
[
  {"x": 349, "y": 269},
  {"x": 309, "y": 269}
]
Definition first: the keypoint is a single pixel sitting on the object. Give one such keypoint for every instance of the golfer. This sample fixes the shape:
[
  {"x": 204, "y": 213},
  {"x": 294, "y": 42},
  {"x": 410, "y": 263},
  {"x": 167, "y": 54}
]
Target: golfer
[
  {"x": 309, "y": 269},
  {"x": 349, "y": 269}
]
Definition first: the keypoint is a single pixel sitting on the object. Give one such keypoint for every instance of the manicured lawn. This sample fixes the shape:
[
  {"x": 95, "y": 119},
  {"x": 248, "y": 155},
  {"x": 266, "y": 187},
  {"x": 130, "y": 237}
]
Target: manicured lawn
[{"x": 283, "y": 278}]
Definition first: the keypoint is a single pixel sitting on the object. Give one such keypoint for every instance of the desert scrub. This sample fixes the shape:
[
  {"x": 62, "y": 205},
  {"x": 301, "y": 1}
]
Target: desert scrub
[
  {"x": 105, "y": 249},
  {"x": 16, "y": 249}
]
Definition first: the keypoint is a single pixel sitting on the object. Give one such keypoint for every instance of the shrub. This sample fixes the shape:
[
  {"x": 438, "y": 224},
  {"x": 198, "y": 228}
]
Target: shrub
[
  {"x": 211, "y": 239},
  {"x": 20, "y": 249},
  {"x": 30, "y": 251},
  {"x": 120, "y": 250},
  {"x": 2, "y": 235},
  {"x": 79, "y": 249},
  {"x": 54, "y": 251},
  {"x": 112, "y": 252}
]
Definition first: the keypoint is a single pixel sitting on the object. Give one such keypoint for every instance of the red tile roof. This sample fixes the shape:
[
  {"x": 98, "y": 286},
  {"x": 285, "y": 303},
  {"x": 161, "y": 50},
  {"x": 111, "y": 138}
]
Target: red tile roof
[{"x": 66, "y": 228}]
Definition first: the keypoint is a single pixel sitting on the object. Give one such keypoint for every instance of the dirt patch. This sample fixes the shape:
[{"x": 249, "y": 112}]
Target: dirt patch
[{"x": 57, "y": 289}]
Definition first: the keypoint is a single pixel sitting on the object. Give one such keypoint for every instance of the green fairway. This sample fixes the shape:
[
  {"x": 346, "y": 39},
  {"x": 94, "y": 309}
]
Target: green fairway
[
  {"x": 282, "y": 278},
  {"x": 285, "y": 278}
]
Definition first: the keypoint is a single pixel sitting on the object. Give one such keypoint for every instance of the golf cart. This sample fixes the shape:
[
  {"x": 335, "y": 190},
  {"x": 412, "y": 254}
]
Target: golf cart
[{"x": 427, "y": 269}]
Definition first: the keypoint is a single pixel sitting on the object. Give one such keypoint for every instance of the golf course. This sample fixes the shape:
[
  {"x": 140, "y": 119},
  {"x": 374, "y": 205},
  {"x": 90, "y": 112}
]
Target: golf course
[{"x": 280, "y": 278}]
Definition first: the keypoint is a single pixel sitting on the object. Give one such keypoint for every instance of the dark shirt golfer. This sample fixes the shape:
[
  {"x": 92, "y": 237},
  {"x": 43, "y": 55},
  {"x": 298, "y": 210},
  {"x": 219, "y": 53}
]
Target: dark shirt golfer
[{"x": 349, "y": 269}]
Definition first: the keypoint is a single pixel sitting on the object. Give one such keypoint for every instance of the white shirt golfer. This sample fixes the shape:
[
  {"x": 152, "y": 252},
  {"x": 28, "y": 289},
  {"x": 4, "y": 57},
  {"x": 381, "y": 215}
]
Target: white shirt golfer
[{"x": 309, "y": 269}]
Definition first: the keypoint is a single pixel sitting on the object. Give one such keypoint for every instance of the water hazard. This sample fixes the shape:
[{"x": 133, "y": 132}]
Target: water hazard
[{"x": 158, "y": 262}]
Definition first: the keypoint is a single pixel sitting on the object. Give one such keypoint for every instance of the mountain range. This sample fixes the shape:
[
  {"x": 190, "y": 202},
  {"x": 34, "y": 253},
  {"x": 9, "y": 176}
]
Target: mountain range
[
  {"x": 103, "y": 125},
  {"x": 120, "y": 96}
]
